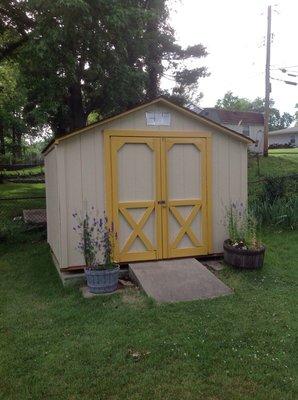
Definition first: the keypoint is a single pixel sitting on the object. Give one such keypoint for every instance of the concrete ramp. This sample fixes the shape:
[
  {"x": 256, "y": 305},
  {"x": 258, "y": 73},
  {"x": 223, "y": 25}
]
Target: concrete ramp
[{"x": 177, "y": 280}]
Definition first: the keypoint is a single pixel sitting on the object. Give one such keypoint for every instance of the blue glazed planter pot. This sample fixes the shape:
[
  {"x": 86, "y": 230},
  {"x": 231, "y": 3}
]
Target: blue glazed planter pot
[{"x": 102, "y": 281}]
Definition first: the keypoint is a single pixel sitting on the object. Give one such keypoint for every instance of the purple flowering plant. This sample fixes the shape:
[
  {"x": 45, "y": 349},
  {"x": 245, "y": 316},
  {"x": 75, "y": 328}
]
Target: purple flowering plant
[
  {"x": 96, "y": 239},
  {"x": 242, "y": 227}
]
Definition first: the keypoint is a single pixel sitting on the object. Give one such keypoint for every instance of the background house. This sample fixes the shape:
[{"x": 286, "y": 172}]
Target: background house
[
  {"x": 248, "y": 123},
  {"x": 282, "y": 137}
]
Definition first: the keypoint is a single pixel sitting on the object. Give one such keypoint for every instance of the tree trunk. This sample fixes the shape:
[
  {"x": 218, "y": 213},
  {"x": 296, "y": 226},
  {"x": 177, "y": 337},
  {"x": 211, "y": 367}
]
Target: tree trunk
[
  {"x": 18, "y": 146},
  {"x": 2, "y": 150},
  {"x": 59, "y": 121},
  {"x": 153, "y": 60},
  {"x": 13, "y": 144},
  {"x": 78, "y": 117},
  {"x": 2, "y": 141}
]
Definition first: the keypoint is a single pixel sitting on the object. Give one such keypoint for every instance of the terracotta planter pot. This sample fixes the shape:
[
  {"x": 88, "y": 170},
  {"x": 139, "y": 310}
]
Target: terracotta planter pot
[
  {"x": 102, "y": 281},
  {"x": 241, "y": 258}
]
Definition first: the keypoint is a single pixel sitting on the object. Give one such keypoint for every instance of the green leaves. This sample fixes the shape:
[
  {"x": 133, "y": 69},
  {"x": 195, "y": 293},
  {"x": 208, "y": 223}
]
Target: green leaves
[{"x": 78, "y": 56}]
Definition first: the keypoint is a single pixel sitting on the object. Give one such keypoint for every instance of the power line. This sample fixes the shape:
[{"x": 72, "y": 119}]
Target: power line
[
  {"x": 287, "y": 82},
  {"x": 289, "y": 73},
  {"x": 285, "y": 70},
  {"x": 282, "y": 66}
]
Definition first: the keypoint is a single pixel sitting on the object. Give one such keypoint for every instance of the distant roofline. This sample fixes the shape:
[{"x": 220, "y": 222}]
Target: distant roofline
[
  {"x": 232, "y": 111},
  {"x": 293, "y": 129},
  {"x": 229, "y": 116}
]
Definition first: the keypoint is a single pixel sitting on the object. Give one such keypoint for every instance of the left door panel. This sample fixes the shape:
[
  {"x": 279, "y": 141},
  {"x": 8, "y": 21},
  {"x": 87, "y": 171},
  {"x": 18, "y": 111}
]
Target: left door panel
[{"x": 136, "y": 189}]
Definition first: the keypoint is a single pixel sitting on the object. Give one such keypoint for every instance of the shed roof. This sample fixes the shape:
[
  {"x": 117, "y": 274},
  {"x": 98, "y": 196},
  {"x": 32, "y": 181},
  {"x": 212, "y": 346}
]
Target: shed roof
[
  {"x": 162, "y": 100},
  {"x": 233, "y": 117}
]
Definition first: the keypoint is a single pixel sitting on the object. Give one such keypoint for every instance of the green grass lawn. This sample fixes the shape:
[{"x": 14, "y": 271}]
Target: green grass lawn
[
  {"x": 9, "y": 190},
  {"x": 25, "y": 171},
  {"x": 10, "y": 209},
  {"x": 56, "y": 345},
  {"x": 284, "y": 151},
  {"x": 279, "y": 162}
]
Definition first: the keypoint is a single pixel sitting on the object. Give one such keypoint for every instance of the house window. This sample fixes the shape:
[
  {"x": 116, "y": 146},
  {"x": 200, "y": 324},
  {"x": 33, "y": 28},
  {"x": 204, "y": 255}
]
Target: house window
[
  {"x": 292, "y": 141},
  {"x": 245, "y": 130}
]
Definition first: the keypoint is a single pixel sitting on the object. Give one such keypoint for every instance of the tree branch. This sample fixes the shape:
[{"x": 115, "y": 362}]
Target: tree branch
[{"x": 8, "y": 49}]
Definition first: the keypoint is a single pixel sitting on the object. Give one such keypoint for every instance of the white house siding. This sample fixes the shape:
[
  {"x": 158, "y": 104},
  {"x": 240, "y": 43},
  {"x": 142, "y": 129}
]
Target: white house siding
[
  {"x": 283, "y": 139},
  {"x": 256, "y": 133},
  {"x": 52, "y": 204},
  {"x": 81, "y": 173}
]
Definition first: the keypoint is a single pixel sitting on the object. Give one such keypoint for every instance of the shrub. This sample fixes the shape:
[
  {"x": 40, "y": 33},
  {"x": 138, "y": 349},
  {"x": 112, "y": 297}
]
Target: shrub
[
  {"x": 277, "y": 204},
  {"x": 274, "y": 188},
  {"x": 18, "y": 232},
  {"x": 282, "y": 212}
]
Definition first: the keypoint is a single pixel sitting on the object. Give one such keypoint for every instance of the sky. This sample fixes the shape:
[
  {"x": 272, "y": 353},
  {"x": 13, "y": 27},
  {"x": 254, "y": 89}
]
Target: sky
[{"x": 234, "y": 33}]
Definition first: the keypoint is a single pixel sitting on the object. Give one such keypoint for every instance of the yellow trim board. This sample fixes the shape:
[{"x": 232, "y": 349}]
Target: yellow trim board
[{"x": 130, "y": 133}]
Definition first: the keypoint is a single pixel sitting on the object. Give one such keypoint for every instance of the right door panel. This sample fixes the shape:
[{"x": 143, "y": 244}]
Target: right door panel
[{"x": 184, "y": 214}]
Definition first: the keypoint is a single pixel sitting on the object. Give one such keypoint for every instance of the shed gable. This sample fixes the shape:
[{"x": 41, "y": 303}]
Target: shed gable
[
  {"x": 137, "y": 115},
  {"x": 138, "y": 120}
]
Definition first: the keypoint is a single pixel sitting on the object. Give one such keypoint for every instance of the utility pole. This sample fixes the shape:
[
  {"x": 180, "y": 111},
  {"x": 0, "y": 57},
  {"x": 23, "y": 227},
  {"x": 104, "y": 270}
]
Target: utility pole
[{"x": 267, "y": 84}]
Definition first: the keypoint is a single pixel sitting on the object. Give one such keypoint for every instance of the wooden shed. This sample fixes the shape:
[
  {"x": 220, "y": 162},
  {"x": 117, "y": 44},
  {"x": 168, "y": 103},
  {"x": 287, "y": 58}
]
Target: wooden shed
[{"x": 163, "y": 174}]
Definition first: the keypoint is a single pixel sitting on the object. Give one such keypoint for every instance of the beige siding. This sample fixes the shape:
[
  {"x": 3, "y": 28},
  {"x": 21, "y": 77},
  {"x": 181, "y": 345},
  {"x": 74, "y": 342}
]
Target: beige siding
[
  {"x": 81, "y": 173},
  {"x": 53, "y": 212},
  {"x": 82, "y": 178}
]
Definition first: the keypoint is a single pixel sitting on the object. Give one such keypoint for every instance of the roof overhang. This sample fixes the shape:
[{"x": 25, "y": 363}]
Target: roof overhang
[{"x": 204, "y": 120}]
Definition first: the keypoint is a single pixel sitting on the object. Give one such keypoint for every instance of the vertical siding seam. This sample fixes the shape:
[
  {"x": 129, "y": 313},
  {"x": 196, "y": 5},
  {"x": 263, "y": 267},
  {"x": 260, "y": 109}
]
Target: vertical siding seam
[
  {"x": 94, "y": 171},
  {"x": 96, "y": 164},
  {"x": 81, "y": 171},
  {"x": 58, "y": 201},
  {"x": 65, "y": 165},
  {"x": 229, "y": 174}
]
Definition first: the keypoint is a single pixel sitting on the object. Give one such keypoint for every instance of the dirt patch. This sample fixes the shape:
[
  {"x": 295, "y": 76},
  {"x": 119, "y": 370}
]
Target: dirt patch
[{"x": 132, "y": 296}]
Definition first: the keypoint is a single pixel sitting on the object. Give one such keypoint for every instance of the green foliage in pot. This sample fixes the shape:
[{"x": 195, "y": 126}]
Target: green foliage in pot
[
  {"x": 96, "y": 239},
  {"x": 242, "y": 227}
]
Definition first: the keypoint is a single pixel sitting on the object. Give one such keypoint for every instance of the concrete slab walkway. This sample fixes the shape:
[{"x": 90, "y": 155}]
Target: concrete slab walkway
[{"x": 177, "y": 280}]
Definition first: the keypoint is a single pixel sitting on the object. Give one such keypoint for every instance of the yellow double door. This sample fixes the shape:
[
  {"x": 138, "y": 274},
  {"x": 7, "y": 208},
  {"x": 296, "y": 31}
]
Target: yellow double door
[{"x": 159, "y": 197}]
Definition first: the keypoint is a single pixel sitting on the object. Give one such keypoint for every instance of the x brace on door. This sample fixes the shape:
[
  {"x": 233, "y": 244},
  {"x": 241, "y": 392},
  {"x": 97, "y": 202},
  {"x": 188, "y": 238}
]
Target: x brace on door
[
  {"x": 136, "y": 226},
  {"x": 185, "y": 223}
]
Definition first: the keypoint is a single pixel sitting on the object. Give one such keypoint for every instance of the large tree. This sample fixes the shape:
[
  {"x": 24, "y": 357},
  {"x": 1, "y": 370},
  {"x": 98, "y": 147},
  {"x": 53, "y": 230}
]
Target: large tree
[
  {"x": 12, "y": 100},
  {"x": 236, "y": 103},
  {"x": 82, "y": 57}
]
